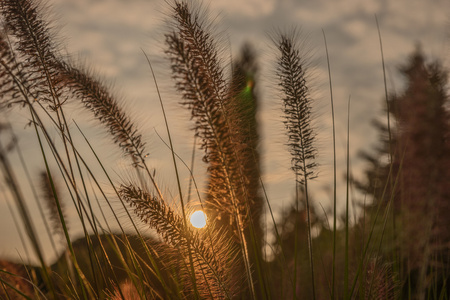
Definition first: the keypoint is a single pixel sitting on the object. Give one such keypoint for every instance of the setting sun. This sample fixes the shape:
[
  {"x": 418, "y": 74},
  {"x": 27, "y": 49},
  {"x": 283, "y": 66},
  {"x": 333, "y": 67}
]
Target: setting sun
[{"x": 198, "y": 219}]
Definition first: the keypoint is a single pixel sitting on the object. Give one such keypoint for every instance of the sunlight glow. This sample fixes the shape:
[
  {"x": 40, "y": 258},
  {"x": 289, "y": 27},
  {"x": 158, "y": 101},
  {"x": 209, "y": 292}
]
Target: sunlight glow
[{"x": 198, "y": 219}]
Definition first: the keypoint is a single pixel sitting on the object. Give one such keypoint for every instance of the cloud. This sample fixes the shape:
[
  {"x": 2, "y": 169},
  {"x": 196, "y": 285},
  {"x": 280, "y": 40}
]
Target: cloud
[
  {"x": 322, "y": 13},
  {"x": 356, "y": 28},
  {"x": 244, "y": 9}
]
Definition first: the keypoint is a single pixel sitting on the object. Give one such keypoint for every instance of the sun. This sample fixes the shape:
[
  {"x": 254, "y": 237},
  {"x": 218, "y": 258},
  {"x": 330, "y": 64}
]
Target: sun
[{"x": 198, "y": 219}]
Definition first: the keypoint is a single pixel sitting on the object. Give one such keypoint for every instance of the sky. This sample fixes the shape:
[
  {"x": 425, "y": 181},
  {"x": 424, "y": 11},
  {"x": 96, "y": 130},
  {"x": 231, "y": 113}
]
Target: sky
[{"x": 110, "y": 36}]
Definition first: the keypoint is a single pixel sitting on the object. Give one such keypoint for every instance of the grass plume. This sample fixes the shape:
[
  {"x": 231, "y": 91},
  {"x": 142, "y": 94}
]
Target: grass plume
[
  {"x": 297, "y": 113},
  {"x": 212, "y": 257}
]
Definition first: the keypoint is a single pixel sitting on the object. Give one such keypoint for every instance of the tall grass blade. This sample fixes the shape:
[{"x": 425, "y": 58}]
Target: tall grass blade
[{"x": 334, "y": 170}]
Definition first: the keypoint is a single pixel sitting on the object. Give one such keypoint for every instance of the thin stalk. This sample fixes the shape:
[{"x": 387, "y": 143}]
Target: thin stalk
[
  {"x": 347, "y": 203},
  {"x": 277, "y": 233},
  {"x": 334, "y": 170},
  {"x": 388, "y": 115},
  {"x": 191, "y": 169},
  {"x": 320, "y": 251},
  {"x": 177, "y": 175},
  {"x": 311, "y": 258},
  {"x": 297, "y": 200}
]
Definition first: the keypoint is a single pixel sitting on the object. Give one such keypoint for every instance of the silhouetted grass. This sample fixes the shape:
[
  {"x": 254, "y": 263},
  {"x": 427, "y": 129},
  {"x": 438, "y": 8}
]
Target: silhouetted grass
[{"x": 378, "y": 257}]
